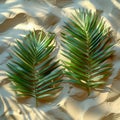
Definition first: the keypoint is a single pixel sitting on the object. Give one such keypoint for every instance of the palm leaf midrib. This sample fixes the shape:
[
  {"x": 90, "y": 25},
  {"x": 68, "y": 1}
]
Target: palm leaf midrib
[{"x": 87, "y": 44}]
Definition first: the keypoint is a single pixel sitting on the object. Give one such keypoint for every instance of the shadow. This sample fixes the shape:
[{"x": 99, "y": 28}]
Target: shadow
[
  {"x": 12, "y": 110},
  {"x": 2, "y": 1},
  {"x": 59, "y": 113},
  {"x": 11, "y": 22},
  {"x": 1, "y": 106},
  {"x": 4, "y": 81},
  {"x": 4, "y": 104},
  {"x": 61, "y": 3},
  {"x": 41, "y": 115},
  {"x": 110, "y": 11},
  {"x": 115, "y": 15},
  {"x": 112, "y": 116}
]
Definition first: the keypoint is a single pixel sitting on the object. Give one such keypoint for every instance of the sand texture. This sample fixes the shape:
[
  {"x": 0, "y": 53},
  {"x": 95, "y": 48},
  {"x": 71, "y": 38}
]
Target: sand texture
[{"x": 17, "y": 18}]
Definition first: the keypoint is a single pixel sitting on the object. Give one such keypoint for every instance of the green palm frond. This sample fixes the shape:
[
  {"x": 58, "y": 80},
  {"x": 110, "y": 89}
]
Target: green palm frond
[
  {"x": 33, "y": 69},
  {"x": 87, "y": 46}
]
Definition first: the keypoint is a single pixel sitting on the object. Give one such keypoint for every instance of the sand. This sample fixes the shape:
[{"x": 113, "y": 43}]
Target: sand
[{"x": 17, "y": 18}]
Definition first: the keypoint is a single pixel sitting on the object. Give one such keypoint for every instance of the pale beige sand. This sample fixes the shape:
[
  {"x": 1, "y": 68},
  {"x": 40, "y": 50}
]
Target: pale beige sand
[{"x": 17, "y": 18}]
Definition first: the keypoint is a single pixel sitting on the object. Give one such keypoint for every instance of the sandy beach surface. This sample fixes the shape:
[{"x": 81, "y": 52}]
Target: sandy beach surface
[{"x": 17, "y": 18}]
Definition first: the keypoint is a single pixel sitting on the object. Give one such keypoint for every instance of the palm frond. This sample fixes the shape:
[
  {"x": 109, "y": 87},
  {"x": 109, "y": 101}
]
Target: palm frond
[
  {"x": 112, "y": 95},
  {"x": 33, "y": 69},
  {"x": 87, "y": 44}
]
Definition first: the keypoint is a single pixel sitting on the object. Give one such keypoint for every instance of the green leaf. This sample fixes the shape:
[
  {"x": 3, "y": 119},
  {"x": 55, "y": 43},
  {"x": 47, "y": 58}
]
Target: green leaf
[
  {"x": 86, "y": 43},
  {"x": 33, "y": 69}
]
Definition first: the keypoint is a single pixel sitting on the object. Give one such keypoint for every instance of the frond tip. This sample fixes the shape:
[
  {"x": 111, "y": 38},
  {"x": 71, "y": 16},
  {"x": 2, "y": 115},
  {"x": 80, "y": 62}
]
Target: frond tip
[
  {"x": 33, "y": 69},
  {"x": 87, "y": 44}
]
